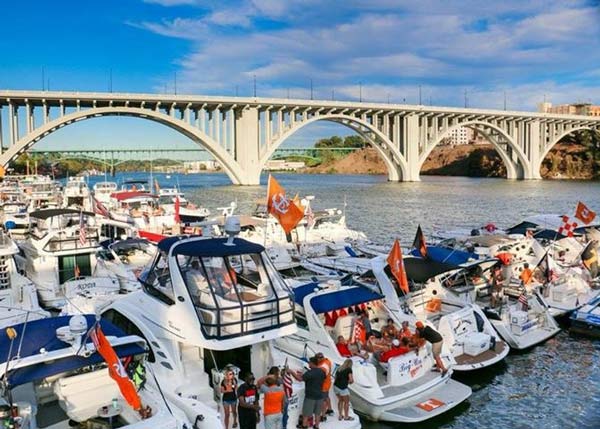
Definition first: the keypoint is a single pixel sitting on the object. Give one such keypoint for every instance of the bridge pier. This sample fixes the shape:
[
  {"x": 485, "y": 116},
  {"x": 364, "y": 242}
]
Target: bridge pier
[{"x": 247, "y": 145}]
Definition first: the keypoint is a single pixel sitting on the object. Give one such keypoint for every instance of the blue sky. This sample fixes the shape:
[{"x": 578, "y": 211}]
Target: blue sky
[{"x": 528, "y": 49}]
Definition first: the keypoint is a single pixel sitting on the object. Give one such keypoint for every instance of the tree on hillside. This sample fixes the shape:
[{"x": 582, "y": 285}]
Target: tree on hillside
[{"x": 354, "y": 141}]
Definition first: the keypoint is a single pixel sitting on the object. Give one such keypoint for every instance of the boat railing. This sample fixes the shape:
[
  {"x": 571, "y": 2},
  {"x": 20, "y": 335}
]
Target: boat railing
[
  {"x": 222, "y": 321},
  {"x": 63, "y": 242}
]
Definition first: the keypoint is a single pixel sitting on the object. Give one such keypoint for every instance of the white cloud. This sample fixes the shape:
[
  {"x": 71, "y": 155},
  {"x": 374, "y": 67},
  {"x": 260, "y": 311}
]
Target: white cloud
[{"x": 392, "y": 46}]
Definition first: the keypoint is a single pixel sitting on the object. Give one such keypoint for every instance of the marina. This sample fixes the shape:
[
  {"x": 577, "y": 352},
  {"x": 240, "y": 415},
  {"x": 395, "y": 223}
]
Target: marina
[{"x": 483, "y": 374}]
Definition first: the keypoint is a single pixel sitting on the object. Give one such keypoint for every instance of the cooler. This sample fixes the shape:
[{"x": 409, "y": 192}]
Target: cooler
[
  {"x": 560, "y": 293},
  {"x": 476, "y": 343},
  {"x": 518, "y": 317}
]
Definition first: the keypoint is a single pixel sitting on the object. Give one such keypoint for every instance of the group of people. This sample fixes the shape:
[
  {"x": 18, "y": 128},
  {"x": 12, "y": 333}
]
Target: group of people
[
  {"x": 392, "y": 342},
  {"x": 242, "y": 402}
]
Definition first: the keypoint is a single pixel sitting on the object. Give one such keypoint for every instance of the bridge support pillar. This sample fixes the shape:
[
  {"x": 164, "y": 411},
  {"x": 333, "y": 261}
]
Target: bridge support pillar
[
  {"x": 411, "y": 134},
  {"x": 535, "y": 145},
  {"x": 247, "y": 145}
]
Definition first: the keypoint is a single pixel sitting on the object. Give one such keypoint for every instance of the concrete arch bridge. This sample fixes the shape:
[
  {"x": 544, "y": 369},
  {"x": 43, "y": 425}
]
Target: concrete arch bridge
[{"x": 242, "y": 133}]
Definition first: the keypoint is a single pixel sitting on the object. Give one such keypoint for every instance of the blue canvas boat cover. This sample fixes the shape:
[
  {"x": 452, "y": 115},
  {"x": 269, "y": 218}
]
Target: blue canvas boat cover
[
  {"x": 342, "y": 298},
  {"x": 41, "y": 334},
  {"x": 447, "y": 255},
  {"x": 208, "y": 247}
]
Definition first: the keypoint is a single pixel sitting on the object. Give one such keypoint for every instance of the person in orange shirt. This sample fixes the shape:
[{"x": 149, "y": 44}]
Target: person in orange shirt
[
  {"x": 405, "y": 330},
  {"x": 274, "y": 402},
  {"x": 526, "y": 274},
  {"x": 327, "y": 367}
]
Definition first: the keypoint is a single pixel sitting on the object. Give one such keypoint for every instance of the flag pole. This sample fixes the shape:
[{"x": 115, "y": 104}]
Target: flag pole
[{"x": 268, "y": 214}]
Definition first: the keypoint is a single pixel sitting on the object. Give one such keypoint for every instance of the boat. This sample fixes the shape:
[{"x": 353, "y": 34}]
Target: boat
[
  {"x": 18, "y": 296},
  {"x": 103, "y": 191},
  {"x": 77, "y": 194},
  {"x": 196, "y": 328},
  {"x": 406, "y": 390},
  {"x": 468, "y": 334},
  {"x": 53, "y": 377},
  {"x": 126, "y": 259},
  {"x": 60, "y": 257},
  {"x": 586, "y": 320},
  {"x": 188, "y": 212},
  {"x": 520, "y": 316}
]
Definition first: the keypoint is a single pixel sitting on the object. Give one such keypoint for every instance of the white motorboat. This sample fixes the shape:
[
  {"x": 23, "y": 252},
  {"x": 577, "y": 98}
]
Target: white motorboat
[
  {"x": 202, "y": 312},
  {"x": 76, "y": 194},
  {"x": 18, "y": 298},
  {"x": 468, "y": 334},
  {"x": 126, "y": 258},
  {"x": 103, "y": 191},
  {"x": 54, "y": 378},
  {"x": 405, "y": 390},
  {"x": 59, "y": 256},
  {"x": 188, "y": 212},
  {"x": 521, "y": 317}
]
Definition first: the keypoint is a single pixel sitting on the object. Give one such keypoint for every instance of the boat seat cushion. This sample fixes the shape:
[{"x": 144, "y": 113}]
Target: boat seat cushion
[
  {"x": 81, "y": 395},
  {"x": 343, "y": 326}
]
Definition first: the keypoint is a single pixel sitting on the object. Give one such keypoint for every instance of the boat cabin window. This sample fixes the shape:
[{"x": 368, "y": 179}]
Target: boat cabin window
[
  {"x": 235, "y": 295},
  {"x": 157, "y": 281},
  {"x": 73, "y": 266}
]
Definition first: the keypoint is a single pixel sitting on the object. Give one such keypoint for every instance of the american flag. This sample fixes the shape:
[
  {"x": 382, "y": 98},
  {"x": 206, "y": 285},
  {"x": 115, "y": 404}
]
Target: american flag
[
  {"x": 310, "y": 216},
  {"x": 358, "y": 333},
  {"x": 100, "y": 209},
  {"x": 523, "y": 300},
  {"x": 82, "y": 236},
  {"x": 287, "y": 382}
]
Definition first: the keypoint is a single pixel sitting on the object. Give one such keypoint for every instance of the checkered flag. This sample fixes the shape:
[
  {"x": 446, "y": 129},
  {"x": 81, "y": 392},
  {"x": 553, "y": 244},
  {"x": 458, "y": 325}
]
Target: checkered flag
[{"x": 567, "y": 227}]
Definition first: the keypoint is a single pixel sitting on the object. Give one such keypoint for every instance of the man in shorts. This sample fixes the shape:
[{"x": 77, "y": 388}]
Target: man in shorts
[
  {"x": 429, "y": 334},
  {"x": 313, "y": 393}
]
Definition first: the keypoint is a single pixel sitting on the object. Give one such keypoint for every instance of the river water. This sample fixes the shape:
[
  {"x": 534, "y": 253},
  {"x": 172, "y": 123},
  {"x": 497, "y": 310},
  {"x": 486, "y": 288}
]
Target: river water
[{"x": 554, "y": 385}]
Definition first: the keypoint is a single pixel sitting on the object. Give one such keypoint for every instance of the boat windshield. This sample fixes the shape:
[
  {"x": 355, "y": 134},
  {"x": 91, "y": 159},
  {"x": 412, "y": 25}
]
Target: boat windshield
[{"x": 236, "y": 295}]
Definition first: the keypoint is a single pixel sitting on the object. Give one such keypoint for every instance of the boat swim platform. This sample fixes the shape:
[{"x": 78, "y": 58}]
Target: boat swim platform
[{"x": 465, "y": 359}]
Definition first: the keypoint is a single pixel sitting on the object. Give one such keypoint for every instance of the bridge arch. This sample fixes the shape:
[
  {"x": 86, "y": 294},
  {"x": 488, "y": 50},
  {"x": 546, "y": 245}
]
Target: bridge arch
[
  {"x": 395, "y": 162},
  {"x": 487, "y": 129},
  {"x": 229, "y": 164},
  {"x": 561, "y": 136}
]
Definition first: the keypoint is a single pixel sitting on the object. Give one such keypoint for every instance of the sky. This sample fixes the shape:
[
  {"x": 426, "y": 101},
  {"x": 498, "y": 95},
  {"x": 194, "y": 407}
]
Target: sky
[{"x": 527, "y": 51}]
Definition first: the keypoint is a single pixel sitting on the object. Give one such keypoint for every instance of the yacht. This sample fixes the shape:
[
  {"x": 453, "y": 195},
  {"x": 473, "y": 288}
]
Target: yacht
[
  {"x": 59, "y": 256},
  {"x": 468, "y": 334},
  {"x": 55, "y": 378},
  {"x": 77, "y": 194},
  {"x": 18, "y": 298},
  {"x": 188, "y": 212},
  {"x": 520, "y": 316},
  {"x": 103, "y": 191},
  {"x": 406, "y": 390},
  {"x": 202, "y": 312}
]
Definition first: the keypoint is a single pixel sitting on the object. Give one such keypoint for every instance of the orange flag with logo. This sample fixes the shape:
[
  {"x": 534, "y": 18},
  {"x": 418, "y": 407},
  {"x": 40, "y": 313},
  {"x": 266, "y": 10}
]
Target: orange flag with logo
[
  {"x": 396, "y": 263},
  {"x": 279, "y": 205},
  {"x": 115, "y": 368},
  {"x": 584, "y": 214}
]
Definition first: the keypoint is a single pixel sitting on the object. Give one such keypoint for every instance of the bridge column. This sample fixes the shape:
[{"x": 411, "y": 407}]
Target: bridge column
[
  {"x": 535, "y": 142},
  {"x": 411, "y": 145},
  {"x": 1, "y": 135},
  {"x": 13, "y": 124},
  {"x": 247, "y": 145}
]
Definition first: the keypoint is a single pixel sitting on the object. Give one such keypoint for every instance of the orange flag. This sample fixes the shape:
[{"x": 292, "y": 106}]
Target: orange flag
[
  {"x": 115, "y": 368},
  {"x": 285, "y": 211},
  {"x": 584, "y": 214},
  {"x": 396, "y": 263}
]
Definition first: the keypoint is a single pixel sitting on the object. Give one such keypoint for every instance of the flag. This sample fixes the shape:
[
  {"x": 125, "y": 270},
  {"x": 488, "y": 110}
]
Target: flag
[
  {"x": 177, "y": 208},
  {"x": 287, "y": 382},
  {"x": 567, "y": 227},
  {"x": 419, "y": 242},
  {"x": 77, "y": 272},
  {"x": 584, "y": 214},
  {"x": 359, "y": 333},
  {"x": 100, "y": 209},
  {"x": 285, "y": 211},
  {"x": 523, "y": 300},
  {"x": 396, "y": 263},
  {"x": 156, "y": 186},
  {"x": 82, "y": 235},
  {"x": 115, "y": 368},
  {"x": 589, "y": 257}
]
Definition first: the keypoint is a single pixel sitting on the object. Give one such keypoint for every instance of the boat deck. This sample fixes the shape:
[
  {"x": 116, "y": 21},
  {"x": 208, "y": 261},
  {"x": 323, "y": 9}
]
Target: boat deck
[
  {"x": 465, "y": 359},
  {"x": 404, "y": 388}
]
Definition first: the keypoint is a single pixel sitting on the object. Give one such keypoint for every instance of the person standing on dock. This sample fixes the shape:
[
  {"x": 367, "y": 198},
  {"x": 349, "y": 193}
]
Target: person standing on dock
[{"x": 436, "y": 340}]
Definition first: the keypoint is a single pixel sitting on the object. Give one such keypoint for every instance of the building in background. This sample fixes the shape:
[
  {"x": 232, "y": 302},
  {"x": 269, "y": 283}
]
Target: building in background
[
  {"x": 459, "y": 136},
  {"x": 198, "y": 166},
  {"x": 587, "y": 109}
]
